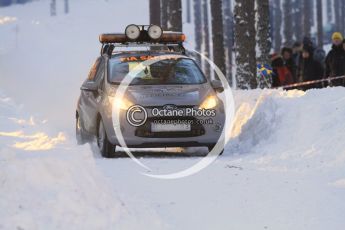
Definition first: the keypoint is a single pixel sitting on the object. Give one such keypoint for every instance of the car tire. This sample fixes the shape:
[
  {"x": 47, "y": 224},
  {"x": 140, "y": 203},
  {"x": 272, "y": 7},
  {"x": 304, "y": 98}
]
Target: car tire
[
  {"x": 211, "y": 147},
  {"x": 80, "y": 133},
  {"x": 105, "y": 147}
]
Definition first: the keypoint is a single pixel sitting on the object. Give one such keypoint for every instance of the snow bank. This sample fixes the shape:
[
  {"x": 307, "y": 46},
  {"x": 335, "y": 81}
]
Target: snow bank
[
  {"x": 294, "y": 126},
  {"x": 49, "y": 183}
]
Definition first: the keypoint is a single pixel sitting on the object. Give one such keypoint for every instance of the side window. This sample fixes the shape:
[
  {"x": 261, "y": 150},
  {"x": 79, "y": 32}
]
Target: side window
[
  {"x": 94, "y": 68},
  {"x": 100, "y": 71}
]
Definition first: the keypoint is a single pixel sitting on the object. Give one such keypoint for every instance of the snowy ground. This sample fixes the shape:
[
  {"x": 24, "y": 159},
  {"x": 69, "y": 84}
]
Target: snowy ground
[{"x": 283, "y": 169}]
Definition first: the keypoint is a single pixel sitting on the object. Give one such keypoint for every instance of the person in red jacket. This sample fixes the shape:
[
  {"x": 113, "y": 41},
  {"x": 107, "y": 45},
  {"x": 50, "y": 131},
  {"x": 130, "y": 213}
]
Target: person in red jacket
[{"x": 281, "y": 73}]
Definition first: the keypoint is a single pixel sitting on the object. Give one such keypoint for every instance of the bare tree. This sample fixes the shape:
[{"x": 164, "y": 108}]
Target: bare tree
[
  {"x": 288, "y": 22},
  {"x": 175, "y": 15},
  {"x": 155, "y": 12},
  {"x": 206, "y": 36},
  {"x": 307, "y": 17},
  {"x": 245, "y": 44},
  {"x": 53, "y": 8},
  {"x": 217, "y": 34},
  {"x": 319, "y": 23},
  {"x": 263, "y": 30},
  {"x": 228, "y": 37},
  {"x": 197, "y": 27},
  {"x": 277, "y": 18}
]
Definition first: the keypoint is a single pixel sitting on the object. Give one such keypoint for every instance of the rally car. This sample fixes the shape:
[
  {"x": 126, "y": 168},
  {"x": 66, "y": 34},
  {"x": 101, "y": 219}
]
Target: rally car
[{"x": 168, "y": 103}]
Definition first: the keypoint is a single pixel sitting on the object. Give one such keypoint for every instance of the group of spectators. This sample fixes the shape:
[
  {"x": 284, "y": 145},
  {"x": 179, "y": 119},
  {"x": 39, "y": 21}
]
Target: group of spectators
[{"x": 304, "y": 63}]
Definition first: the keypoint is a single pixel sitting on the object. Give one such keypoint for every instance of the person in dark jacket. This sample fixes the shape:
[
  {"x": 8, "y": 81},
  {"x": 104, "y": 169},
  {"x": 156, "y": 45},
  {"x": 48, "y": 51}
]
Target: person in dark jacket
[
  {"x": 335, "y": 60},
  {"x": 297, "y": 52},
  {"x": 289, "y": 62},
  {"x": 309, "y": 69}
]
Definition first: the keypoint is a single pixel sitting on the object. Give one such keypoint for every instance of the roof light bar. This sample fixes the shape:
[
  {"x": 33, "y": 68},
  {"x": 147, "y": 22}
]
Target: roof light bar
[{"x": 133, "y": 34}]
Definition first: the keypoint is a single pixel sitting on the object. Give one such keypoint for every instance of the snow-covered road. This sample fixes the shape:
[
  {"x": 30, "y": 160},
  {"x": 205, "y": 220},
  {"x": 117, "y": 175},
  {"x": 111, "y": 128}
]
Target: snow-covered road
[{"x": 284, "y": 167}]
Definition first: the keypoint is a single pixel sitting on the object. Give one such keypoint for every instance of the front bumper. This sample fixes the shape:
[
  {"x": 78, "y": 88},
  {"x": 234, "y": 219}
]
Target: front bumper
[{"x": 204, "y": 132}]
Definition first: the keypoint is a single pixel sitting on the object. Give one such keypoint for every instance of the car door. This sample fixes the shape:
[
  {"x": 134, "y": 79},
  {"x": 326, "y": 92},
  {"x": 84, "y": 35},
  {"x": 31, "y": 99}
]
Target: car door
[{"x": 91, "y": 91}]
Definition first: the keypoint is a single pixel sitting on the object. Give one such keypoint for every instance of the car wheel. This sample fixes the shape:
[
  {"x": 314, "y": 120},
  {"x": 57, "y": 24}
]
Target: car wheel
[
  {"x": 80, "y": 133},
  {"x": 105, "y": 147},
  {"x": 211, "y": 147}
]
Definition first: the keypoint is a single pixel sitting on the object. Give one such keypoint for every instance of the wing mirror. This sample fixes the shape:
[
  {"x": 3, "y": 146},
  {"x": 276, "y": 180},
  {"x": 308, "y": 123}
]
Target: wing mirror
[
  {"x": 217, "y": 86},
  {"x": 92, "y": 87}
]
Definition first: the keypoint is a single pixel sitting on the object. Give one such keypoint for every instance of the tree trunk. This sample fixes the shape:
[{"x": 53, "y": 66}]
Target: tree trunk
[
  {"x": 307, "y": 17},
  {"x": 53, "y": 8},
  {"x": 278, "y": 24},
  {"x": 66, "y": 7},
  {"x": 245, "y": 44},
  {"x": 188, "y": 12},
  {"x": 155, "y": 12},
  {"x": 336, "y": 14},
  {"x": 298, "y": 17},
  {"x": 319, "y": 23},
  {"x": 263, "y": 31},
  {"x": 197, "y": 28},
  {"x": 341, "y": 16},
  {"x": 175, "y": 15},
  {"x": 206, "y": 35},
  {"x": 288, "y": 23},
  {"x": 228, "y": 37},
  {"x": 329, "y": 10},
  {"x": 217, "y": 34},
  {"x": 164, "y": 14}
]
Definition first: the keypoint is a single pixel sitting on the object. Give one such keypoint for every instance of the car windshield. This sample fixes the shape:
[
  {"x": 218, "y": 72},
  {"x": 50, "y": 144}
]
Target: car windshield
[{"x": 181, "y": 71}]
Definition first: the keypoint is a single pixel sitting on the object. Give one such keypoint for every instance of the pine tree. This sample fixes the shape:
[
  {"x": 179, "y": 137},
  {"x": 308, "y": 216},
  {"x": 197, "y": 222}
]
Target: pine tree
[
  {"x": 319, "y": 23},
  {"x": 175, "y": 15},
  {"x": 245, "y": 44},
  {"x": 263, "y": 31},
  {"x": 197, "y": 28},
  {"x": 155, "y": 12},
  {"x": 206, "y": 36},
  {"x": 228, "y": 37},
  {"x": 217, "y": 34},
  {"x": 288, "y": 22}
]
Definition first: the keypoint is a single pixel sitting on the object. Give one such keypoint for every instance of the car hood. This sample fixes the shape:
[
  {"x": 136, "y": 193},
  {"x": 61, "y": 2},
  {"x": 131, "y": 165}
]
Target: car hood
[{"x": 168, "y": 95}]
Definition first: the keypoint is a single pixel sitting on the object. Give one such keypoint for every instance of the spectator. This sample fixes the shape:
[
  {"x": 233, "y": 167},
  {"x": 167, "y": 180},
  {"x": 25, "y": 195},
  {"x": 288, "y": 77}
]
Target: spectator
[
  {"x": 281, "y": 74},
  {"x": 297, "y": 52},
  {"x": 289, "y": 62},
  {"x": 335, "y": 60},
  {"x": 310, "y": 69}
]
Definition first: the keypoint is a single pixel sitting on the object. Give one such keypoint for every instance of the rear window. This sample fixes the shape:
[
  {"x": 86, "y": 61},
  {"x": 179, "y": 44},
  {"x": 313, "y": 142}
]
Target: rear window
[{"x": 182, "y": 71}]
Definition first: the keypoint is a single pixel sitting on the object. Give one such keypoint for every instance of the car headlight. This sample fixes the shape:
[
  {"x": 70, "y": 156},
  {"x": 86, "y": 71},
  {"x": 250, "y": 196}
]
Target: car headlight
[
  {"x": 209, "y": 103},
  {"x": 120, "y": 103}
]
